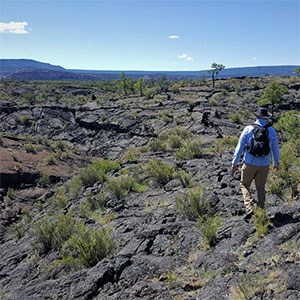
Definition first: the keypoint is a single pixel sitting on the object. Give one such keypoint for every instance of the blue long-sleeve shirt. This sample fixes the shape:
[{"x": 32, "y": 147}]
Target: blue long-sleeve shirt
[{"x": 245, "y": 140}]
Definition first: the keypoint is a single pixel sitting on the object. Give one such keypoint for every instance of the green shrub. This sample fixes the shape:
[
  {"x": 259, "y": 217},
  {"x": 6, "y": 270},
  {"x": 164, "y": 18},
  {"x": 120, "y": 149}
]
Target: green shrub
[
  {"x": 149, "y": 93},
  {"x": 120, "y": 186},
  {"x": 289, "y": 170},
  {"x": 272, "y": 94},
  {"x": 161, "y": 172},
  {"x": 190, "y": 149},
  {"x": 24, "y": 120},
  {"x": 49, "y": 160},
  {"x": 29, "y": 148},
  {"x": 166, "y": 116},
  {"x": 173, "y": 138},
  {"x": 175, "y": 141},
  {"x": 176, "y": 88},
  {"x": 87, "y": 247},
  {"x": 96, "y": 202},
  {"x": 289, "y": 123},
  {"x": 60, "y": 198},
  {"x": 209, "y": 226},
  {"x": 248, "y": 286},
  {"x": 185, "y": 178},
  {"x": 59, "y": 145},
  {"x": 74, "y": 186},
  {"x": 195, "y": 204},
  {"x": 51, "y": 233},
  {"x": 235, "y": 118},
  {"x": 261, "y": 221},
  {"x": 275, "y": 185},
  {"x": 140, "y": 187},
  {"x": 96, "y": 171},
  {"x": 157, "y": 145},
  {"x": 130, "y": 155}
]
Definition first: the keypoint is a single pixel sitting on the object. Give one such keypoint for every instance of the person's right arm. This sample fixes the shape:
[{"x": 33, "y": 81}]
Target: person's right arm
[{"x": 239, "y": 149}]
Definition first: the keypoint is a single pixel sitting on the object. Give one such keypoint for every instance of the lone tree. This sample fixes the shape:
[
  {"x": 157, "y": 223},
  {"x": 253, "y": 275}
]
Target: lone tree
[{"x": 216, "y": 69}]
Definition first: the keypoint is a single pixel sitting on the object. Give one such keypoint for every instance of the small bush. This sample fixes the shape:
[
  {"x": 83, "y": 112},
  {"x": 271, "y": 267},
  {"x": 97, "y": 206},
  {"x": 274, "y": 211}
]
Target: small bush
[
  {"x": 130, "y": 155},
  {"x": 247, "y": 287},
  {"x": 87, "y": 247},
  {"x": 185, "y": 178},
  {"x": 140, "y": 187},
  {"x": 29, "y": 148},
  {"x": 24, "y": 120},
  {"x": 176, "y": 88},
  {"x": 74, "y": 186},
  {"x": 235, "y": 118},
  {"x": 272, "y": 94},
  {"x": 175, "y": 141},
  {"x": 149, "y": 93},
  {"x": 289, "y": 123},
  {"x": 157, "y": 145},
  {"x": 195, "y": 204},
  {"x": 161, "y": 172},
  {"x": 96, "y": 171},
  {"x": 60, "y": 198},
  {"x": 49, "y": 160},
  {"x": 51, "y": 233},
  {"x": 289, "y": 171},
  {"x": 261, "y": 221},
  {"x": 190, "y": 149},
  {"x": 209, "y": 226},
  {"x": 121, "y": 186},
  {"x": 275, "y": 185},
  {"x": 97, "y": 201}
]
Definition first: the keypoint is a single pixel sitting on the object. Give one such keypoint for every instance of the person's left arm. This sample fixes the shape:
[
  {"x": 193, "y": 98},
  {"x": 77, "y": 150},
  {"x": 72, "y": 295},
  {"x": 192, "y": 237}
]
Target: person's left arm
[{"x": 239, "y": 149}]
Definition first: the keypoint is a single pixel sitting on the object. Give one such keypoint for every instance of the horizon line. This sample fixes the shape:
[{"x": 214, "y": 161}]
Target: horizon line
[{"x": 143, "y": 70}]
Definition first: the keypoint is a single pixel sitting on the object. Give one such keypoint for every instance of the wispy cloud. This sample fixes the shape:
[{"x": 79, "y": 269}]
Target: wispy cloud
[
  {"x": 254, "y": 58},
  {"x": 173, "y": 37},
  {"x": 13, "y": 27},
  {"x": 185, "y": 57}
]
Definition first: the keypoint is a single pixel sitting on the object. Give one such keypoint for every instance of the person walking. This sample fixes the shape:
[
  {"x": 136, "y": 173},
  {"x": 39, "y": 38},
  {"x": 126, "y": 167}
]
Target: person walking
[{"x": 259, "y": 143}]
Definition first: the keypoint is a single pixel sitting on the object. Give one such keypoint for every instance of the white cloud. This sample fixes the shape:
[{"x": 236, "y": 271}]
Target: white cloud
[
  {"x": 13, "y": 27},
  {"x": 254, "y": 58},
  {"x": 173, "y": 37},
  {"x": 185, "y": 57}
]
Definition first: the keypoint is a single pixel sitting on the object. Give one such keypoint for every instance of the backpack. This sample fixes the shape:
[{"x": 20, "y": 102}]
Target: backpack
[{"x": 259, "y": 145}]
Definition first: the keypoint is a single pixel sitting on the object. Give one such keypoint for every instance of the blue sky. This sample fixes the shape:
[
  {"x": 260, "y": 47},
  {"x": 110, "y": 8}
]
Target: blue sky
[{"x": 151, "y": 35}]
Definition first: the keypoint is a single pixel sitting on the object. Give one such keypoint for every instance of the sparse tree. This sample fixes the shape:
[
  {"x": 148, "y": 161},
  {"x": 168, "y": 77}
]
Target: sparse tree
[
  {"x": 289, "y": 123},
  {"x": 272, "y": 94},
  {"x": 139, "y": 86},
  {"x": 164, "y": 84},
  {"x": 125, "y": 84},
  {"x": 216, "y": 69}
]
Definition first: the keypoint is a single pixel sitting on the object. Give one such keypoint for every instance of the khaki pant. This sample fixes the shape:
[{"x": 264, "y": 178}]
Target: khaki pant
[{"x": 260, "y": 175}]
